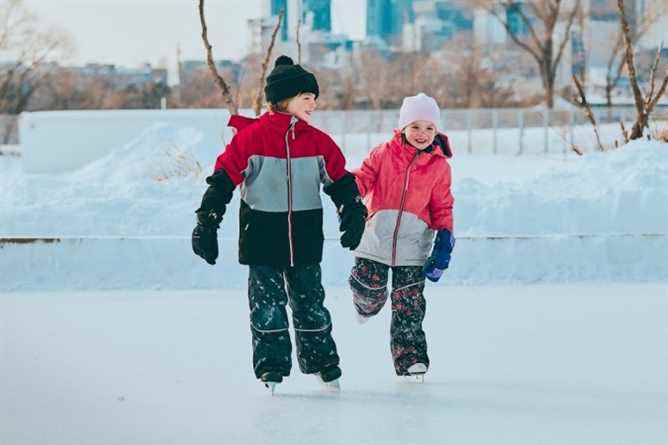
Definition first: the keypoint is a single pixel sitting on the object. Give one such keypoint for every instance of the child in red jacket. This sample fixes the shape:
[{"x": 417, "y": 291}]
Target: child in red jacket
[
  {"x": 405, "y": 184},
  {"x": 280, "y": 162}
]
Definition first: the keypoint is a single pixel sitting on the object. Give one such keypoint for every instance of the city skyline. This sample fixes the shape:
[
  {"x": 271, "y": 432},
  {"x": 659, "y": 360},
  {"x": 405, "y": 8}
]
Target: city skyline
[{"x": 145, "y": 38}]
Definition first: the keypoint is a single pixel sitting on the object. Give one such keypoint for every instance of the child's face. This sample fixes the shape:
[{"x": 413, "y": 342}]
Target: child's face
[
  {"x": 420, "y": 134},
  {"x": 302, "y": 106}
]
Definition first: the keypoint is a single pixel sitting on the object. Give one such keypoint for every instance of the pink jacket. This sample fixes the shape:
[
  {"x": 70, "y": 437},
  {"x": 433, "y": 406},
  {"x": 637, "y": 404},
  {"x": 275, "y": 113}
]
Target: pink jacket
[{"x": 407, "y": 192}]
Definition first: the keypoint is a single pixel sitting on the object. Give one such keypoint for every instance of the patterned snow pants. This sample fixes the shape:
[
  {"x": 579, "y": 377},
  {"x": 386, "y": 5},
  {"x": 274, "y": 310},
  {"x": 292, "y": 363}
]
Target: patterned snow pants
[
  {"x": 267, "y": 297},
  {"x": 368, "y": 281}
]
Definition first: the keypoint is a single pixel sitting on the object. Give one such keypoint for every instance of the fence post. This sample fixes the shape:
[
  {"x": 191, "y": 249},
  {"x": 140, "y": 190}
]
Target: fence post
[
  {"x": 469, "y": 131},
  {"x": 495, "y": 133},
  {"x": 520, "y": 125},
  {"x": 546, "y": 126}
]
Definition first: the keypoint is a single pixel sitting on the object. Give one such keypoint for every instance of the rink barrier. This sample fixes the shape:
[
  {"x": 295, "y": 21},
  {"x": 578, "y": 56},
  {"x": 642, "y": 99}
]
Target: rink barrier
[{"x": 167, "y": 262}]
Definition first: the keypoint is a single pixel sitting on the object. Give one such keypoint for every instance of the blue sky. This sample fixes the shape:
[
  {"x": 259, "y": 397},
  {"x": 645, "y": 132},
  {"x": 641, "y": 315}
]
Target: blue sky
[{"x": 129, "y": 32}]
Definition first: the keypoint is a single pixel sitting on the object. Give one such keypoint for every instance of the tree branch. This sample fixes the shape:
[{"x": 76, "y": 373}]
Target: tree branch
[
  {"x": 265, "y": 63},
  {"x": 299, "y": 41},
  {"x": 566, "y": 38},
  {"x": 516, "y": 39},
  {"x": 588, "y": 111},
  {"x": 652, "y": 74},
  {"x": 630, "y": 58},
  {"x": 659, "y": 94},
  {"x": 225, "y": 90}
]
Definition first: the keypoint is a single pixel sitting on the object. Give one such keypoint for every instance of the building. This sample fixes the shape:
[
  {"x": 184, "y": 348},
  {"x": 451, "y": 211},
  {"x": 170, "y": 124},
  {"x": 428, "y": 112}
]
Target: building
[
  {"x": 385, "y": 19},
  {"x": 314, "y": 20},
  {"x": 318, "y": 14},
  {"x": 434, "y": 22},
  {"x": 121, "y": 77}
]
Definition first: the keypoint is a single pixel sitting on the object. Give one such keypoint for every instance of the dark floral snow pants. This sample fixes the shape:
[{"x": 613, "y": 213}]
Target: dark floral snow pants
[
  {"x": 368, "y": 281},
  {"x": 267, "y": 297}
]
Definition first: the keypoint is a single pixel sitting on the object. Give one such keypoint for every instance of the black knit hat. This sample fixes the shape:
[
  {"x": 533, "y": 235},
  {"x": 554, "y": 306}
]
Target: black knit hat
[{"x": 287, "y": 80}]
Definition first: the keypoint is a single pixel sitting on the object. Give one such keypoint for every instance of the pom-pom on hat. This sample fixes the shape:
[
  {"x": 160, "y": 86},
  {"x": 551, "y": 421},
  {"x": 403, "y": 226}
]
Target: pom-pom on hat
[
  {"x": 287, "y": 80},
  {"x": 419, "y": 108}
]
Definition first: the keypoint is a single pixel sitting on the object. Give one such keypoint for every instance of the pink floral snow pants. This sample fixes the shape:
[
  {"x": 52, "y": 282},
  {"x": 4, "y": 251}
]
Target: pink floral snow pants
[{"x": 368, "y": 281}]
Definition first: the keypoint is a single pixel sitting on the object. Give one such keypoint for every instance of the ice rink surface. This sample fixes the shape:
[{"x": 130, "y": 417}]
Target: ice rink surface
[{"x": 544, "y": 364}]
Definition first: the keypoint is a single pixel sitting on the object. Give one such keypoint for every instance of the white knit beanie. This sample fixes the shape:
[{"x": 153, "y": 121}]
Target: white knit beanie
[{"x": 419, "y": 108}]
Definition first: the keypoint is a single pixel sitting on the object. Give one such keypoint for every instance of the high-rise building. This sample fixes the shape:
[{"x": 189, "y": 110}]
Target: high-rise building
[
  {"x": 385, "y": 18},
  {"x": 318, "y": 13},
  {"x": 434, "y": 22}
]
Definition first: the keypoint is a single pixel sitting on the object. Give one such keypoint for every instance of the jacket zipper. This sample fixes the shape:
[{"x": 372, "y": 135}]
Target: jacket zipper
[
  {"x": 395, "y": 237},
  {"x": 293, "y": 122}
]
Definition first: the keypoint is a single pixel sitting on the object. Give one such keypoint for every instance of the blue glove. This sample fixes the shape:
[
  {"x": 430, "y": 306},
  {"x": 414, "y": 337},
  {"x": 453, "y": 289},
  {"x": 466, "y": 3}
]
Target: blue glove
[{"x": 439, "y": 260}]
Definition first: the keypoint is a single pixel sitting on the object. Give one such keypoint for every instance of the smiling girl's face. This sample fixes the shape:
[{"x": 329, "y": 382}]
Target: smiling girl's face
[{"x": 420, "y": 134}]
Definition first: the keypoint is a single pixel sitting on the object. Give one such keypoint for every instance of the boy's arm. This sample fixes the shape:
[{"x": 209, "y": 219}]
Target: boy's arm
[{"x": 229, "y": 172}]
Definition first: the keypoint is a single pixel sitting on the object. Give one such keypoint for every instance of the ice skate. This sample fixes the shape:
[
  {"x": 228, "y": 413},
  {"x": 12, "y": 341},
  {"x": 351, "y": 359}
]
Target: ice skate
[
  {"x": 415, "y": 373},
  {"x": 270, "y": 380},
  {"x": 329, "y": 378}
]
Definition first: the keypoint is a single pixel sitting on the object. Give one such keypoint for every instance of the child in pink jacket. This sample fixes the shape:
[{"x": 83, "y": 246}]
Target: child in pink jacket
[{"x": 405, "y": 183}]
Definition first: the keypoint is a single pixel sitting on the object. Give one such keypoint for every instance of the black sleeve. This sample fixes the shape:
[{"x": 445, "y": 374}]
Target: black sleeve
[{"x": 216, "y": 198}]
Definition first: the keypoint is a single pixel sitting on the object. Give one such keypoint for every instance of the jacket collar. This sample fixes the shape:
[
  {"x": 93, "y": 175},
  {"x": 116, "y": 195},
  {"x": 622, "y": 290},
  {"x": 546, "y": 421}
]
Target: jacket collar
[
  {"x": 278, "y": 120},
  {"x": 440, "y": 147}
]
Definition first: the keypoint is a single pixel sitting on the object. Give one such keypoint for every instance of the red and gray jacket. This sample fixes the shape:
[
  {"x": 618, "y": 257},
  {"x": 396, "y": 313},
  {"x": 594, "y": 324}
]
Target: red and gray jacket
[
  {"x": 280, "y": 163},
  {"x": 407, "y": 193}
]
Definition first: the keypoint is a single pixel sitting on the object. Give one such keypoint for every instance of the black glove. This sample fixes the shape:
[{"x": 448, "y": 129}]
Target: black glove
[
  {"x": 205, "y": 236},
  {"x": 352, "y": 219},
  {"x": 350, "y": 208},
  {"x": 210, "y": 214}
]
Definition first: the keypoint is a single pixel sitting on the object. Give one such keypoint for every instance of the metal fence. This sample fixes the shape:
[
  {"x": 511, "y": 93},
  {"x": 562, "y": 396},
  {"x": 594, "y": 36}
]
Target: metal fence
[
  {"x": 475, "y": 131},
  {"x": 492, "y": 131}
]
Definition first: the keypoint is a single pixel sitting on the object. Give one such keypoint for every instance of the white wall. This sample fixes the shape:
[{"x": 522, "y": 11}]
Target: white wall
[{"x": 56, "y": 141}]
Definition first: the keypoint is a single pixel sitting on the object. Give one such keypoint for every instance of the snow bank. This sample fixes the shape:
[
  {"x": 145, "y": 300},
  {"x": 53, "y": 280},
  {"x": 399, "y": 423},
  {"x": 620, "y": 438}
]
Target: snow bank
[
  {"x": 625, "y": 191},
  {"x": 600, "y": 217},
  {"x": 57, "y": 141},
  {"x": 168, "y": 263}
]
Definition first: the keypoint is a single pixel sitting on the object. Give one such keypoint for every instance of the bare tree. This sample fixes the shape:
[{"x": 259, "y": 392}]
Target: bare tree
[
  {"x": 645, "y": 103},
  {"x": 374, "y": 77},
  {"x": 224, "y": 88},
  {"x": 584, "y": 103},
  {"x": 541, "y": 41},
  {"x": 617, "y": 61},
  {"x": 299, "y": 41},
  {"x": 27, "y": 50},
  {"x": 257, "y": 107}
]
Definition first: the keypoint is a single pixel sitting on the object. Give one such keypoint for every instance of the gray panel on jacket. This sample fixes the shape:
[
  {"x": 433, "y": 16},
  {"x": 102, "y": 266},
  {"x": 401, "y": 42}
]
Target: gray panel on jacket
[{"x": 265, "y": 187}]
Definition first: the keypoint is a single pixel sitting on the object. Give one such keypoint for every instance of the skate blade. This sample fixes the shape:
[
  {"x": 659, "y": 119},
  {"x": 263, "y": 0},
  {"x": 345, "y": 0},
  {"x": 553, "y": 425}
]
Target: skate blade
[
  {"x": 413, "y": 378},
  {"x": 271, "y": 386},
  {"x": 333, "y": 386}
]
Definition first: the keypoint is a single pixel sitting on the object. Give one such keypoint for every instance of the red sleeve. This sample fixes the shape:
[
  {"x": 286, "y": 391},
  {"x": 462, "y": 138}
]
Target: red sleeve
[
  {"x": 366, "y": 175},
  {"x": 441, "y": 203},
  {"x": 335, "y": 162},
  {"x": 234, "y": 160}
]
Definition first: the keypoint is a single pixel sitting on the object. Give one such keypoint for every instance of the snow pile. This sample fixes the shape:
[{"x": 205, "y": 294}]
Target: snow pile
[
  {"x": 147, "y": 187},
  {"x": 625, "y": 191},
  {"x": 518, "y": 219}
]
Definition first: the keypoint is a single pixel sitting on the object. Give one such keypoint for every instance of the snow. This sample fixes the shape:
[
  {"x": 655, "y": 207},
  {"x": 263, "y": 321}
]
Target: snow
[
  {"x": 548, "y": 328},
  {"x": 516, "y": 365},
  {"x": 605, "y": 213}
]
